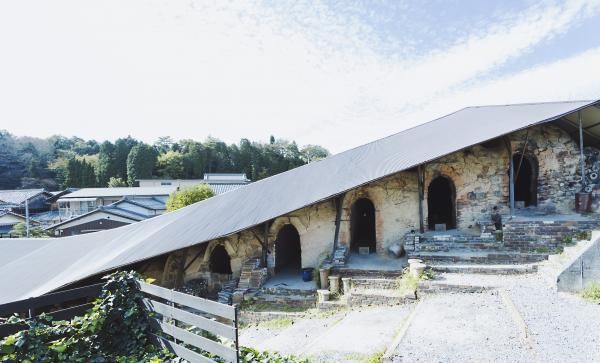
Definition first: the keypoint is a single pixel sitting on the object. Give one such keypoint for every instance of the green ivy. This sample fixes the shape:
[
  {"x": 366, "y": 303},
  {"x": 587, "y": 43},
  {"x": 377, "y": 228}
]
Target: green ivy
[
  {"x": 115, "y": 329},
  {"x": 249, "y": 355}
]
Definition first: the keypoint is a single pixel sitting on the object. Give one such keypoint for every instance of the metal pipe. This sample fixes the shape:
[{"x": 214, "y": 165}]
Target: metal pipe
[{"x": 582, "y": 160}]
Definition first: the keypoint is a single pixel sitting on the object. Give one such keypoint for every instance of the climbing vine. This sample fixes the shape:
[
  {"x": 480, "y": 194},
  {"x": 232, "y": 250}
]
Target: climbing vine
[{"x": 115, "y": 329}]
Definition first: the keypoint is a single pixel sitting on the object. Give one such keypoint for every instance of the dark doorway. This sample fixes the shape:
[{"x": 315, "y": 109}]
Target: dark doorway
[
  {"x": 441, "y": 203},
  {"x": 362, "y": 225},
  {"x": 525, "y": 180},
  {"x": 288, "y": 255},
  {"x": 220, "y": 262}
]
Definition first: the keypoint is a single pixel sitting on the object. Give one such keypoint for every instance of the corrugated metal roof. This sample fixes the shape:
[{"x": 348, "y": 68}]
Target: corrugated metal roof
[
  {"x": 224, "y": 188},
  {"x": 119, "y": 192},
  {"x": 19, "y": 196},
  {"x": 69, "y": 259}
]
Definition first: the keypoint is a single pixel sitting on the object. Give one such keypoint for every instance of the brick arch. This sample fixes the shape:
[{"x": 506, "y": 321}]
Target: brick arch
[{"x": 346, "y": 226}]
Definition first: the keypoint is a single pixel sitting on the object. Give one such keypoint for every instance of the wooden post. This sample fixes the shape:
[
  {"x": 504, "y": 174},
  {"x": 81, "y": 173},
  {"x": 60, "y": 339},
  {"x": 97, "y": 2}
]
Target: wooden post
[
  {"x": 581, "y": 157},
  {"x": 339, "y": 201},
  {"x": 420, "y": 182}
]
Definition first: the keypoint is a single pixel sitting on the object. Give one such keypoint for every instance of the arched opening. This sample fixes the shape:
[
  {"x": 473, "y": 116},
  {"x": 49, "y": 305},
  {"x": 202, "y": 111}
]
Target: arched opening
[
  {"x": 220, "y": 262},
  {"x": 441, "y": 203},
  {"x": 525, "y": 180},
  {"x": 362, "y": 225},
  {"x": 288, "y": 255}
]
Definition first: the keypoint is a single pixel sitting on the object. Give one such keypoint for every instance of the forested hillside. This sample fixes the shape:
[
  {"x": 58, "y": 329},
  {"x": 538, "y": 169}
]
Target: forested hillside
[{"x": 58, "y": 162}]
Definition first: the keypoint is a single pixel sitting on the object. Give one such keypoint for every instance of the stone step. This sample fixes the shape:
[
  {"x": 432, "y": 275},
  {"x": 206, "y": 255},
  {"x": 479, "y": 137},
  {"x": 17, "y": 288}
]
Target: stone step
[
  {"x": 358, "y": 273},
  {"x": 478, "y": 257},
  {"x": 434, "y": 287},
  {"x": 374, "y": 283},
  {"x": 372, "y": 297},
  {"x": 486, "y": 269}
]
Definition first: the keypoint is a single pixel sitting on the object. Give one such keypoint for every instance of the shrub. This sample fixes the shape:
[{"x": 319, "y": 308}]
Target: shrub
[
  {"x": 592, "y": 293},
  {"x": 187, "y": 196}
]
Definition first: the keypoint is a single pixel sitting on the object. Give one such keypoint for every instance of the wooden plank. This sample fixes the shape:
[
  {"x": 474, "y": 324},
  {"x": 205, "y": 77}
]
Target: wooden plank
[
  {"x": 183, "y": 352},
  {"x": 50, "y": 299},
  {"x": 197, "y": 341},
  {"x": 10, "y": 329},
  {"x": 199, "y": 321},
  {"x": 69, "y": 313},
  {"x": 198, "y": 303}
]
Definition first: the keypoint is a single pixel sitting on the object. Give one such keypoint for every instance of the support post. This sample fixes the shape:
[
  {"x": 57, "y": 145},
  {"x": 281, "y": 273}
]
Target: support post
[
  {"x": 339, "y": 202},
  {"x": 420, "y": 182},
  {"x": 511, "y": 182},
  {"x": 581, "y": 157},
  {"x": 265, "y": 245}
]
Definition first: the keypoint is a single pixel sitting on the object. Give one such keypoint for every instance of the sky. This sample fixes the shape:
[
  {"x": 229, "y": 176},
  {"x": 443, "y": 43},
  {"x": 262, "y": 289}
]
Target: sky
[{"x": 333, "y": 73}]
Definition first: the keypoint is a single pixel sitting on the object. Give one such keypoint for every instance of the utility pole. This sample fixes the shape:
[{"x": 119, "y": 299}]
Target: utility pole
[{"x": 27, "y": 216}]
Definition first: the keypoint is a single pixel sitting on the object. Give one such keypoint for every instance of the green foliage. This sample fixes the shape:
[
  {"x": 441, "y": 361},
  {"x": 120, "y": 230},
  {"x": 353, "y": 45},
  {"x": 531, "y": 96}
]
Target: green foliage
[
  {"x": 115, "y": 329},
  {"x": 187, "y": 196},
  {"x": 375, "y": 358},
  {"x": 592, "y": 293},
  {"x": 20, "y": 230},
  {"x": 35, "y": 163},
  {"x": 116, "y": 182},
  {"x": 407, "y": 283},
  {"x": 170, "y": 165},
  {"x": 249, "y": 355},
  {"x": 140, "y": 163}
]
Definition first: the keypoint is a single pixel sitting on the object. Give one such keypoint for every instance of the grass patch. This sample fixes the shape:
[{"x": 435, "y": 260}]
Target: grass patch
[
  {"x": 375, "y": 358},
  {"x": 592, "y": 293},
  {"x": 280, "y": 323},
  {"x": 407, "y": 283}
]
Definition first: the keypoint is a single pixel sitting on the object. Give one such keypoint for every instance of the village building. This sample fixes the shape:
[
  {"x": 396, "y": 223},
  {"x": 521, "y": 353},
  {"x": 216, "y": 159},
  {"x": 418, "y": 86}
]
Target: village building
[
  {"x": 493, "y": 184},
  {"x": 219, "y": 182},
  {"x": 86, "y": 200}
]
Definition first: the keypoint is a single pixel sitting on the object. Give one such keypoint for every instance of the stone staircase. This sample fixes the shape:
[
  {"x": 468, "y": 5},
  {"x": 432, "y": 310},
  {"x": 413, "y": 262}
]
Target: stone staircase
[
  {"x": 224, "y": 296},
  {"x": 340, "y": 257},
  {"x": 469, "y": 250}
]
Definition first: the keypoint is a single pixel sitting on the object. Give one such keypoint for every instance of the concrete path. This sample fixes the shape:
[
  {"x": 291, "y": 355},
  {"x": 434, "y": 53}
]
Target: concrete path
[
  {"x": 474, "y": 327},
  {"x": 343, "y": 337}
]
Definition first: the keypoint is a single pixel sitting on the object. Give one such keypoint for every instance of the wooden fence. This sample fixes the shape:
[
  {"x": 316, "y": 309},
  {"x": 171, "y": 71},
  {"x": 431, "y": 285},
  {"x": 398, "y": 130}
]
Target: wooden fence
[
  {"x": 79, "y": 300},
  {"x": 178, "y": 319},
  {"x": 179, "y": 312}
]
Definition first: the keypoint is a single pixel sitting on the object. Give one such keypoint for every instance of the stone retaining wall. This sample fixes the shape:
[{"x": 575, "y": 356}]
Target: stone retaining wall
[{"x": 527, "y": 235}]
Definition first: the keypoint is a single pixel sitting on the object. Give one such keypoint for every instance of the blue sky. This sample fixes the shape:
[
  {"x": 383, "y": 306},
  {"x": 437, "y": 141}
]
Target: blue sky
[{"x": 335, "y": 73}]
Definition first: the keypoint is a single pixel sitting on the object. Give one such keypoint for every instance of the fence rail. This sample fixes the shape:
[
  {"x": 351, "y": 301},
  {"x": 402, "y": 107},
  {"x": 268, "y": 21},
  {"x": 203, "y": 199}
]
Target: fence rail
[
  {"x": 51, "y": 303},
  {"x": 179, "y": 310}
]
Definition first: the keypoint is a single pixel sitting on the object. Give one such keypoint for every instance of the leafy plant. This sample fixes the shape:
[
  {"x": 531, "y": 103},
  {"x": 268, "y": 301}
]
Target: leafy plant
[
  {"x": 115, "y": 329},
  {"x": 592, "y": 293},
  {"x": 249, "y": 355}
]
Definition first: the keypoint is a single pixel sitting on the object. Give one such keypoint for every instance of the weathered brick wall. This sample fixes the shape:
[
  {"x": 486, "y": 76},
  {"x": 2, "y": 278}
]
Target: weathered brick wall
[{"x": 527, "y": 235}]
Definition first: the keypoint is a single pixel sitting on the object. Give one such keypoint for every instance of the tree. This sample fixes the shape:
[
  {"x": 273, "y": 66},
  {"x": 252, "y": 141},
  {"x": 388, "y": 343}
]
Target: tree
[
  {"x": 116, "y": 182},
  {"x": 140, "y": 163},
  {"x": 170, "y": 165},
  {"x": 106, "y": 163},
  {"x": 20, "y": 230},
  {"x": 189, "y": 195},
  {"x": 312, "y": 153},
  {"x": 120, "y": 154}
]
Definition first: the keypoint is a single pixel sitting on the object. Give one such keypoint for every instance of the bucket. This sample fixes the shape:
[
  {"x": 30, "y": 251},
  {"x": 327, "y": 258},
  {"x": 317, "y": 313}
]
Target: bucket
[
  {"x": 307, "y": 274},
  {"x": 583, "y": 202}
]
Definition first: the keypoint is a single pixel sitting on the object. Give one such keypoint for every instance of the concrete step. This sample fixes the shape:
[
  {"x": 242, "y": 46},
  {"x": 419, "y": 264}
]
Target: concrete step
[
  {"x": 479, "y": 257},
  {"x": 486, "y": 269}
]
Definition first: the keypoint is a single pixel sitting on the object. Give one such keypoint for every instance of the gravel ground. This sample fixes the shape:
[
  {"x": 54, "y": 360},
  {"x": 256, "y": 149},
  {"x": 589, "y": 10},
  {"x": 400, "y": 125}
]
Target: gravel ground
[
  {"x": 482, "y": 327},
  {"x": 462, "y": 328}
]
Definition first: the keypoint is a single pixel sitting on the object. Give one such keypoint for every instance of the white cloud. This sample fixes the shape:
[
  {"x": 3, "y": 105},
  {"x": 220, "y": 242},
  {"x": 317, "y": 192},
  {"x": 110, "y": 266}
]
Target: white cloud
[{"x": 103, "y": 69}]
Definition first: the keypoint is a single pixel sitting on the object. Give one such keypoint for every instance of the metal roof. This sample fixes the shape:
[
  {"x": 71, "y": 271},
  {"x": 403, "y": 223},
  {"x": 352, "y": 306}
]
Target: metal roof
[
  {"x": 69, "y": 259},
  {"x": 19, "y": 196},
  {"x": 119, "y": 192},
  {"x": 219, "y": 188}
]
